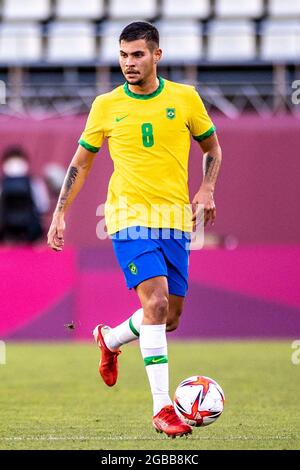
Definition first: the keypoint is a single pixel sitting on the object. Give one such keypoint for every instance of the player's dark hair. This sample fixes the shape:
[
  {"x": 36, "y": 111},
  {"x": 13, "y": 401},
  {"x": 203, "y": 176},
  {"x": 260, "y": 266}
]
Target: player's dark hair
[
  {"x": 141, "y": 30},
  {"x": 14, "y": 151}
]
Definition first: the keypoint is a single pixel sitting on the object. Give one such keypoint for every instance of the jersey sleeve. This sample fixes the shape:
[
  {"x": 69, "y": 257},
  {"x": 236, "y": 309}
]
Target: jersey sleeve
[
  {"x": 200, "y": 124},
  {"x": 93, "y": 135}
]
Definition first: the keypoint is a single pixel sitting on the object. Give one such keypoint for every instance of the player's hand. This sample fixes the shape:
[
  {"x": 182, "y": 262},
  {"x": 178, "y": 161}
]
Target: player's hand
[
  {"x": 56, "y": 233},
  {"x": 204, "y": 208}
]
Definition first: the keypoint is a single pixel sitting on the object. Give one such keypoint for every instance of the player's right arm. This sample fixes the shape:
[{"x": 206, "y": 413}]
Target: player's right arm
[{"x": 76, "y": 175}]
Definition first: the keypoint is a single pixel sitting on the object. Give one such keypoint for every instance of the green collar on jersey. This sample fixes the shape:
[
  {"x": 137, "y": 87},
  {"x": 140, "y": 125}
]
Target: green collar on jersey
[{"x": 145, "y": 97}]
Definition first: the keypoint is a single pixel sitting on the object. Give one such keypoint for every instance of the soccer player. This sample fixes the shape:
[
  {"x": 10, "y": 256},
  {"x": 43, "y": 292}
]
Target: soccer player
[{"x": 148, "y": 123}]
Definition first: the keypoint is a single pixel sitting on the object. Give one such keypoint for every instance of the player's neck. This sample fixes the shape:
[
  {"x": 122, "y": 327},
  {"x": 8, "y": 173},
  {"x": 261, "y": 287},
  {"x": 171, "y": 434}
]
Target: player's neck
[{"x": 145, "y": 88}]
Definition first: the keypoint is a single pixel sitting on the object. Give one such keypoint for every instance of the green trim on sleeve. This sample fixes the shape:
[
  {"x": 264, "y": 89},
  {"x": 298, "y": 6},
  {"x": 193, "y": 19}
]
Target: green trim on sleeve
[
  {"x": 88, "y": 147},
  {"x": 206, "y": 134}
]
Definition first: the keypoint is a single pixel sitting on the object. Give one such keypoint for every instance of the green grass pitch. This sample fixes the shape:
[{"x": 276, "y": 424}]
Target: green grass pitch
[{"x": 51, "y": 397}]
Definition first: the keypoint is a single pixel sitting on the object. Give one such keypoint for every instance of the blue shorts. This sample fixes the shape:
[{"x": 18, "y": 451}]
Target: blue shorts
[{"x": 144, "y": 253}]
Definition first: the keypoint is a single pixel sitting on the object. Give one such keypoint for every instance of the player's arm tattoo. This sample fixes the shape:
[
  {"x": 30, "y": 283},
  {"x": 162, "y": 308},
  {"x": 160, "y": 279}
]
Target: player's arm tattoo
[
  {"x": 67, "y": 187},
  {"x": 211, "y": 167}
]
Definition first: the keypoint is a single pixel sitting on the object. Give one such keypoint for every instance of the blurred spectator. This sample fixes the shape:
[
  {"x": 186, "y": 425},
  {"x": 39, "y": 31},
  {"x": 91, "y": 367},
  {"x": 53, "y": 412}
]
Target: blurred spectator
[
  {"x": 54, "y": 174},
  {"x": 216, "y": 240},
  {"x": 23, "y": 199}
]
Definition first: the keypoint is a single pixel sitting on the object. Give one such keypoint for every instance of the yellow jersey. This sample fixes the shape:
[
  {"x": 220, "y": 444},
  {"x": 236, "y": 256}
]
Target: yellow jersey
[{"x": 149, "y": 142}]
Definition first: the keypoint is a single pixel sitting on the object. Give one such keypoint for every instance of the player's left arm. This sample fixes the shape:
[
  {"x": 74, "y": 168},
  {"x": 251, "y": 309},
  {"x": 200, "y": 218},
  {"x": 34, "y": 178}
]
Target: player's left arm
[{"x": 212, "y": 156}]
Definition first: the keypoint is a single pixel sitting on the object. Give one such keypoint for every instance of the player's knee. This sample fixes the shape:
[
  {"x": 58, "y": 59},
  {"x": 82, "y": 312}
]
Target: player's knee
[{"x": 157, "y": 308}]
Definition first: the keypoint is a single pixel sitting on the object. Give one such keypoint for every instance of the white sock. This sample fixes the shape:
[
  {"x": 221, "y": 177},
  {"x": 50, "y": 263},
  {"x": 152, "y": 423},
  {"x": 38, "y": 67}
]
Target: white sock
[
  {"x": 153, "y": 344},
  {"x": 126, "y": 332}
]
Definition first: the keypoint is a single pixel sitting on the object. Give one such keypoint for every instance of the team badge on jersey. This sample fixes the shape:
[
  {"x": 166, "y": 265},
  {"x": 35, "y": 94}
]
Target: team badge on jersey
[
  {"x": 133, "y": 268},
  {"x": 170, "y": 113}
]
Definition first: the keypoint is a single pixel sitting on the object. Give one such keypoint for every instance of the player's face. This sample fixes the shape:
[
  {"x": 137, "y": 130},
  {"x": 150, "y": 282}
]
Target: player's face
[{"x": 137, "y": 61}]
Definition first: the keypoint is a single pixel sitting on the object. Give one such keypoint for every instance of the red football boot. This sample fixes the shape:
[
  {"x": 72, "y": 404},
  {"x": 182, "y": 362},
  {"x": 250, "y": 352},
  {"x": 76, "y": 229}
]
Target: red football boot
[
  {"x": 108, "y": 366},
  {"x": 168, "y": 422}
]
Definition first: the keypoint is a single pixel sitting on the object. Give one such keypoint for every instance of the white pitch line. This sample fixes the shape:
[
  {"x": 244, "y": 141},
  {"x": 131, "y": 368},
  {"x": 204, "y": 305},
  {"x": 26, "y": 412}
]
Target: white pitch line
[{"x": 134, "y": 438}]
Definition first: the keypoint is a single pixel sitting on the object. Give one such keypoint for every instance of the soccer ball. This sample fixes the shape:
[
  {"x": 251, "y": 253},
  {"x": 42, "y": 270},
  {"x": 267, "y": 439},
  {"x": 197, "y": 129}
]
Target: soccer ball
[{"x": 199, "y": 400}]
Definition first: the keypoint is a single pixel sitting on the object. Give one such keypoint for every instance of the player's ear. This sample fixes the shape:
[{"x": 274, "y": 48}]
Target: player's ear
[{"x": 157, "y": 55}]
